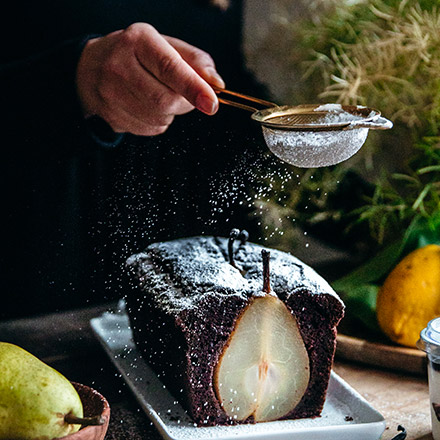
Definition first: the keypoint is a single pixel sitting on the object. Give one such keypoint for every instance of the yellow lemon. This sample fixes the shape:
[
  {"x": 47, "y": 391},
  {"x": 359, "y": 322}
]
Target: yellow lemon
[{"x": 410, "y": 296}]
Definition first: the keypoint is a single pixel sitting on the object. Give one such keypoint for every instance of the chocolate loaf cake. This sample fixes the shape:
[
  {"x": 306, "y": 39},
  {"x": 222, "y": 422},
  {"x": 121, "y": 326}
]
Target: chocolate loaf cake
[{"x": 230, "y": 348}]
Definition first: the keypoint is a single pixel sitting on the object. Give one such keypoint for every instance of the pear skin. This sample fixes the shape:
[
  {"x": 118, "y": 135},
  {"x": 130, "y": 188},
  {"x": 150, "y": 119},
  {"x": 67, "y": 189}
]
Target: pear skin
[{"x": 34, "y": 398}]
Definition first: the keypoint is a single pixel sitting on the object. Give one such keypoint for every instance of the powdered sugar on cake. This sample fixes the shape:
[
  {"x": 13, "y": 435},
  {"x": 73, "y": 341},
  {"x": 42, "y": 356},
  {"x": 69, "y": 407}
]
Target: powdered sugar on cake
[{"x": 200, "y": 269}]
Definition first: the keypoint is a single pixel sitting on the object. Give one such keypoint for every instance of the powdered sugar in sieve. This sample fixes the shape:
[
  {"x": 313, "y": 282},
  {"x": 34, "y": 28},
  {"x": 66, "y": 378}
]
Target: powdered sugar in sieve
[
  {"x": 312, "y": 149},
  {"x": 318, "y": 136},
  {"x": 311, "y": 136}
]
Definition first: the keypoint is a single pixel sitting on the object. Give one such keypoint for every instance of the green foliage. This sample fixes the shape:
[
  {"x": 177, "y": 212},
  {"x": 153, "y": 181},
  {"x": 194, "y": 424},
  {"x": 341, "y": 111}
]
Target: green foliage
[
  {"x": 360, "y": 302},
  {"x": 398, "y": 201},
  {"x": 383, "y": 54},
  {"x": 380, "y": 53},
  {"x": 360, "y": 287}
]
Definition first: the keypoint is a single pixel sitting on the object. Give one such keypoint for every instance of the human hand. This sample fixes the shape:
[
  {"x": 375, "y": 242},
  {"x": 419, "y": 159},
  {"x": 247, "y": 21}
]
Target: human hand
[{"x": 137, "y": 80}]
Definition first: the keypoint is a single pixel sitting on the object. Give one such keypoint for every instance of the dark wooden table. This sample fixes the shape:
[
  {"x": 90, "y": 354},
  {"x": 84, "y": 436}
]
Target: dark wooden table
[{"x": 66, "y": 342}]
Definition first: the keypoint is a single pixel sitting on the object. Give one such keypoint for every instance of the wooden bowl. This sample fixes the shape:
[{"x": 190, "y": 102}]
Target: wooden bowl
[{"x": 94, "y": 404}]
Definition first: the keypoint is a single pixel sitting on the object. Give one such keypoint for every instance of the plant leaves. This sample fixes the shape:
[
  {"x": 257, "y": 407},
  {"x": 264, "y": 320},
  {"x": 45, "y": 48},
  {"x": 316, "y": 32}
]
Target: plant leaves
[
  {"x": 361, "y": 304},
  {"x": 371, "y": 271},
  {"x": 428, "y": 169},
  {"x": 360, "y": 287},
  {"x": 421, "y": 232}
]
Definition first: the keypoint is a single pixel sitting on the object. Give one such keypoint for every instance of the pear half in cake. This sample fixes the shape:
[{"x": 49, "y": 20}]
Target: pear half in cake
[
  {"x": 263, "y": 372},
  {"x": 231, "y": 348}
]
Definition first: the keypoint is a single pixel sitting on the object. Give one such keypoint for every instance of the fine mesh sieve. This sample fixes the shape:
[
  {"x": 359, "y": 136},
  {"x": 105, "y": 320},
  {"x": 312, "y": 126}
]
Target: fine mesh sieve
[{"x": 311, "y": 136}]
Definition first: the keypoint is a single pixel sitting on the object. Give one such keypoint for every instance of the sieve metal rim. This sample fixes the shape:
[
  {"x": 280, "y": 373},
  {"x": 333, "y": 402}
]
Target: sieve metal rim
[{"x": 264, "y": 116}]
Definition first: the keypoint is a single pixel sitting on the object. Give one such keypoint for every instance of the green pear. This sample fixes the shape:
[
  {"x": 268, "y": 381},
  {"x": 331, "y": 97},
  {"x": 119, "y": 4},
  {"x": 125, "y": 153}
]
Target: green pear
[{"x": 34, "y": 398}]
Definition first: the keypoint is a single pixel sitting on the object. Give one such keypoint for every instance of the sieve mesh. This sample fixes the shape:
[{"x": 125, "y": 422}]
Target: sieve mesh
[
  {"x": 312, "y": 135},
  {"x": 316, "y": 118}
]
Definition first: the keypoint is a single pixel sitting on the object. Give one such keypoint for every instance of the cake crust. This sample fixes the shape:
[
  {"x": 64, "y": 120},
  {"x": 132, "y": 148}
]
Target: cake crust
[{"x": 185, "y": 299}]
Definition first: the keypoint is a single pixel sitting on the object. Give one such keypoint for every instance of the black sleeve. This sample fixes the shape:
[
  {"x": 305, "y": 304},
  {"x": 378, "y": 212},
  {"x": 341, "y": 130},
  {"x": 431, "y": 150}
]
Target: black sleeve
[{"x": 40, "y": 110}]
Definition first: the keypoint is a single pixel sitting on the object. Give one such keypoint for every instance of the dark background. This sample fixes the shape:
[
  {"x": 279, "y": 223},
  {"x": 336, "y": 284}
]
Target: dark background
[{"x": 73, "y": 210}]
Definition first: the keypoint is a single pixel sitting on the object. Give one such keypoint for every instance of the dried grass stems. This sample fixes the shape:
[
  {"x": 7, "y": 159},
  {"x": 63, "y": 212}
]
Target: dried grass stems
[
  {"x": 380, "y": 53},
  {"x": 384, "y": 53},
  {"x": 394, "y": 65}
]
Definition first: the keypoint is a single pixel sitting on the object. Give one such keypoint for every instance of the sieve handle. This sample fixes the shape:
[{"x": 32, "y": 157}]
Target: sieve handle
[
  {"x": 243, "y": 97},
  {"x": 379, "y": 123}
]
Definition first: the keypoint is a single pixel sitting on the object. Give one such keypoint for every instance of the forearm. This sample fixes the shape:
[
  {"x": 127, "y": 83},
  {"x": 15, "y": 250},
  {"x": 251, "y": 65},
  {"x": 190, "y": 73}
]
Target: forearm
[{"x": 40, "y": 105}]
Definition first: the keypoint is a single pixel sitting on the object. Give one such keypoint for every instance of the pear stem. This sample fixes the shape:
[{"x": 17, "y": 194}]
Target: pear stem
[
  {"x": 232, "y": 236},
  {"x": 243, "y": 236},
  {"x": 85, "y": 421},
  {"x": 266, "y": 270}
]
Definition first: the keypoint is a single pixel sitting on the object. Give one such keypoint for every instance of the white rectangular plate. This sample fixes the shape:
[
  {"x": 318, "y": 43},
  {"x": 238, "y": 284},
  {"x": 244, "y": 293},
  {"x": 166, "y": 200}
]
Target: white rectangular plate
[{"x": 346, "y": 414}]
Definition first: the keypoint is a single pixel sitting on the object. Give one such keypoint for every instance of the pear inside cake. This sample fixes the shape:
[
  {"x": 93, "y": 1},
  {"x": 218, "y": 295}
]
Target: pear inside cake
[
  {"x": 234, "y": 340},
  {"x": 263, "y": 371}
]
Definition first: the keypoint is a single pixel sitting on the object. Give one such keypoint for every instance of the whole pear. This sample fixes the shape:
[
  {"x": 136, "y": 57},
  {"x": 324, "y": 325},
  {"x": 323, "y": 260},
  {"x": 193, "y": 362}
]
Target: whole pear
[{"x": 34, "y": 398}]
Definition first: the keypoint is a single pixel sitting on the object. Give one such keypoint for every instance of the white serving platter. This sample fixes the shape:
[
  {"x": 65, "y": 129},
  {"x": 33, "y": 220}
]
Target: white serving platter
[{"x": 346, "y": 414}]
